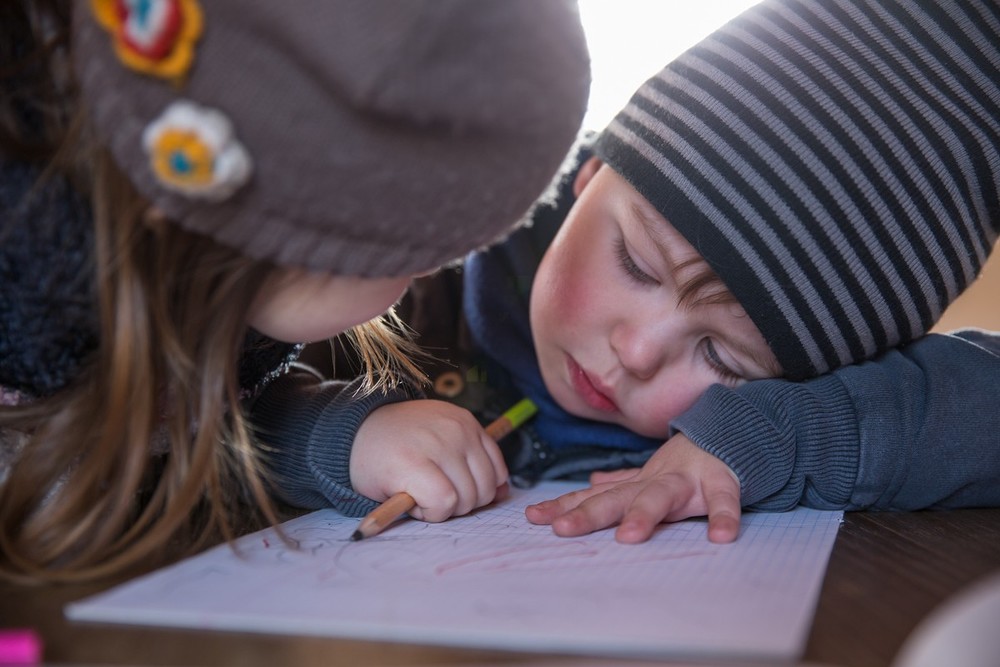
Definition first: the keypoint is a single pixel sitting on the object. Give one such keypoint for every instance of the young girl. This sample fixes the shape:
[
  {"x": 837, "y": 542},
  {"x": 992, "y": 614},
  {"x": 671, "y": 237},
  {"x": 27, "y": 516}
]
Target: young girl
[
  {"x": 186, "y": 184},
  {"x": 799, "y": 196}
]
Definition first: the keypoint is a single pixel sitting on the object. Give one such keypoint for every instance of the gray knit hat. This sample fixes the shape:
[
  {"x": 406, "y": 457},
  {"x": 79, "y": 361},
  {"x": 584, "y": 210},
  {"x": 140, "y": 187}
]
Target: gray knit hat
[
  {"x": 362, "y": 137},
  {"x": 836, "y": 162}
]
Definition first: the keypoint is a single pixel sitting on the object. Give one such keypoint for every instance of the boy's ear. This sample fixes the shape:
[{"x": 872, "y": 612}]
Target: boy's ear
[{"x": 586, "y": 173}]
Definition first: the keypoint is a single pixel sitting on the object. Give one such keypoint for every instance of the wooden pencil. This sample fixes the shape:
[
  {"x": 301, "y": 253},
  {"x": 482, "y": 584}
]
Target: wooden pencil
[{"x": 403, "y": 502}]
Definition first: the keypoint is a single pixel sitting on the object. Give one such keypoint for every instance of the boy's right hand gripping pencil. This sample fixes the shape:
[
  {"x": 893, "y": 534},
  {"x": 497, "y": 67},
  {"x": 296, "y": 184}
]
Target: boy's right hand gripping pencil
[{"x": 401, "y": 503}]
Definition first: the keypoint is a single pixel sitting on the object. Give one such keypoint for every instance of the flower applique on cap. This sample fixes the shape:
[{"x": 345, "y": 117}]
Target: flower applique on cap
[
  {"x": 154, "y": 37},
  {"x": 193, "y": 150}
]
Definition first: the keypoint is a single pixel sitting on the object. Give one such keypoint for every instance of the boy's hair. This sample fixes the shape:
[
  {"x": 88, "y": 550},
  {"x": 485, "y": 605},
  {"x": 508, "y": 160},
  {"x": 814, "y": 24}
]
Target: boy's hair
[
  {"x": 836, "y": 162},
  {"x": 700, "y": 285}
]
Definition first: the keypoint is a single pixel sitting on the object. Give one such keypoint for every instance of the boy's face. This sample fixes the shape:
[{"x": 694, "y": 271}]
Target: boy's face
[{"x": 613, "y": 343}]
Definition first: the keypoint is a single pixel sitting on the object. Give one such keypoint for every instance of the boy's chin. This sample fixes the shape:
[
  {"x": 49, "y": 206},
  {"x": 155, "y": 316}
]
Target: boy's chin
[
  {"x": 581, "y": 411},
  {"x": 617, "y": 420}
]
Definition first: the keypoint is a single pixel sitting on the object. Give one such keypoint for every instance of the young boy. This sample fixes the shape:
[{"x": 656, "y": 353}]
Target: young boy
[
  {"x": 837, "y": 165},
  {"x": 797, "y": 197}
]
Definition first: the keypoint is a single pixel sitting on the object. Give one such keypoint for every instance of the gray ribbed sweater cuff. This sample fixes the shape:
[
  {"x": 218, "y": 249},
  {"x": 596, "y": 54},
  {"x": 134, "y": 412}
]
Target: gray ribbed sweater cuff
[
  {"x": 310, "y": 431},
  {"x": 787, "y": 442}
]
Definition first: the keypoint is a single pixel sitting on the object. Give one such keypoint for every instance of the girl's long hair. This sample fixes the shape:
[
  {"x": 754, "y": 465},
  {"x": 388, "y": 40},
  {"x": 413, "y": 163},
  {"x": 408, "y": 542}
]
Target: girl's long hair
[
  {"x": 147, "y": 455},
  {"x": 88, "y": 494}
]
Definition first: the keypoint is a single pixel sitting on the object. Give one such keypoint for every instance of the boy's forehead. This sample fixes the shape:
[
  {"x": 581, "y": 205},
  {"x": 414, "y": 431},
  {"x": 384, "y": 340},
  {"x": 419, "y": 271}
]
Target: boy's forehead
[
  {"x": 675, "y": 248},
  {"x": 683, "y": 261}
]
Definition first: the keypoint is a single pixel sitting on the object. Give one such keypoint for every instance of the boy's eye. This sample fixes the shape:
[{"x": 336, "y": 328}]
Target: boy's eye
[
  {"x": 630, "y": 267},
  {"x": 717, "y": 364}
]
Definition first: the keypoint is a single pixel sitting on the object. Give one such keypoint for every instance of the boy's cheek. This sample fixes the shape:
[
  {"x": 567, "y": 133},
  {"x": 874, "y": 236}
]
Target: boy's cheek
[{"x": 568, "y": 293}]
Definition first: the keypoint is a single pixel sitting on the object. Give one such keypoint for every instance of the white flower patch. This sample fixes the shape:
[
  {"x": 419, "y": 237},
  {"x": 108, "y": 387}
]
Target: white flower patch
[{"x": 194, "y": 150}]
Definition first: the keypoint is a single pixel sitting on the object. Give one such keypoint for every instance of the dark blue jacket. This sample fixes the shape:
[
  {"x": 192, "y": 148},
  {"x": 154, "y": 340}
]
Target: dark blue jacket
[{"x": 918, "y": 427}]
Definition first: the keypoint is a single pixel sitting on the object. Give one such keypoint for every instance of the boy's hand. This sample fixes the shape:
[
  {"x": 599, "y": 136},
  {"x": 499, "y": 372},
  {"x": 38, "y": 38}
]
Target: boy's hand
[
  {"x": 679, "y": 481},
  {"x": 435, "y": 451}
]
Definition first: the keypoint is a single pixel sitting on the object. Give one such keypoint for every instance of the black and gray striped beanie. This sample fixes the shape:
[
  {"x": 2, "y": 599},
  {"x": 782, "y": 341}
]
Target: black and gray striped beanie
[{"x": 836, "y": 162}]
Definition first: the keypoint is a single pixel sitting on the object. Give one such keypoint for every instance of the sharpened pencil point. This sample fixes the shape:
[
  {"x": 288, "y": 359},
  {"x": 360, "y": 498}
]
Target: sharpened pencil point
[{"x": 357, "y": 535}]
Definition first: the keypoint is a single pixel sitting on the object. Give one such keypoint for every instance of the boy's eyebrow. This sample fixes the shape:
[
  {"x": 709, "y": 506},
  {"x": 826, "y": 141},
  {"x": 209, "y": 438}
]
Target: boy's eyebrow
[{"x": 652, "y": 225}]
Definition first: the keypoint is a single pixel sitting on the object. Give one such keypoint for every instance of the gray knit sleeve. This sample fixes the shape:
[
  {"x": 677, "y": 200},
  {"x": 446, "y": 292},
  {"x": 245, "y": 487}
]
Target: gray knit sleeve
[
  {"x": 306, "y": 426},
  {"x": 916, "y": 428},
  {"x": 788, "y": 442}
]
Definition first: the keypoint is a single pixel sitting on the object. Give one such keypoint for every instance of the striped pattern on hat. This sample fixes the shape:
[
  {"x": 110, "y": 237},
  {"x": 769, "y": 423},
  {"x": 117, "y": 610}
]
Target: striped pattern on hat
[{"x": 836, "y": 162}]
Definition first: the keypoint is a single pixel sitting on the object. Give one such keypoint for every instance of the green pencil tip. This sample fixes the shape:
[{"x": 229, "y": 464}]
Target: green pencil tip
[
  {"x": 521, "y": 412},
  {"x": 357, "y": 535}
]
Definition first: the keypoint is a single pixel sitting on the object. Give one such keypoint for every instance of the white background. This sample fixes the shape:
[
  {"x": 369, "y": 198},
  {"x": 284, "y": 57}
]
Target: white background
[{"x": 630, "y": 40}]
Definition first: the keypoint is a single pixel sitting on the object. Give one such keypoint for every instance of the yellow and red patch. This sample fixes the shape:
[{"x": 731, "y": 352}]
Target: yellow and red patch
[{"x": 155, "y": 37}]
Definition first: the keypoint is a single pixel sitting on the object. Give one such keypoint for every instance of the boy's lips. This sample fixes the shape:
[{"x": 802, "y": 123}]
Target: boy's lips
[{"x": 589, "y": 389}]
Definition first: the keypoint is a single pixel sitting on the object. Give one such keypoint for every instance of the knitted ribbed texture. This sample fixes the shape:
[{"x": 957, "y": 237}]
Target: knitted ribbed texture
[
  {"x": 311, "y": 426},
  {"x": 386, "y": 138},
  {"x": 770, "y": 451},
  {"x": 912, "y": 430},
  {"x": 926, "y": 424},
  {"x": 835, "y": 162}
]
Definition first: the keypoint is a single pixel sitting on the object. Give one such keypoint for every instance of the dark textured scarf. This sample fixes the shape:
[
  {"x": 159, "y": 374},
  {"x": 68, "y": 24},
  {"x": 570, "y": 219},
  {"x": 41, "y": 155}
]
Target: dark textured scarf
[{"x": 48, "y": 310}]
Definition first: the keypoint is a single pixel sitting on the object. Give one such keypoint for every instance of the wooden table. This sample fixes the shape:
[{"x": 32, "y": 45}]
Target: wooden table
[{"x": 886, "y": 573}]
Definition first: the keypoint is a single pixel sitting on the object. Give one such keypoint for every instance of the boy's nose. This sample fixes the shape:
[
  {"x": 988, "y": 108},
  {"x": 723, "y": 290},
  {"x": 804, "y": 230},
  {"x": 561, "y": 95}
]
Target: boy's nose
[{"x": 643, "y": 348}]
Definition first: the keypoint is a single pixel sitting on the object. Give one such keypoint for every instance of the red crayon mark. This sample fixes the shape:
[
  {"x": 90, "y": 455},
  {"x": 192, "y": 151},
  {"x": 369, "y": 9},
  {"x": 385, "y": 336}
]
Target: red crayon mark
[{"x": 518, "y": 557}]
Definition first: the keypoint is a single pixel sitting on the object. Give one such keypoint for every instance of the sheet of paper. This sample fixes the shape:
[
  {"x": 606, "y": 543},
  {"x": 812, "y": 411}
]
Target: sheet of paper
[{"x": 494, "y": 580}]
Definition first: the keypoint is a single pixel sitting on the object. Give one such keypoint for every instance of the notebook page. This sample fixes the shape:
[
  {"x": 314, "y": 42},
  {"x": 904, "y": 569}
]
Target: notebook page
[{"x": 493, "y": 580}]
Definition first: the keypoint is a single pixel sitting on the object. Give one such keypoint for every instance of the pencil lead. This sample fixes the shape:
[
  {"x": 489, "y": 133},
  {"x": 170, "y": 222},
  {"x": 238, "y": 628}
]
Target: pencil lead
[{"x": 357, "y": 535}]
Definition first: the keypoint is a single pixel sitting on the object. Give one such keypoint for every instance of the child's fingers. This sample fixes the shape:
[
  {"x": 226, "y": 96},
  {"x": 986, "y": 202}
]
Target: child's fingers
[
  {"x": 652, "y": 505},
  {"x": 723, "y": 527},
  {"x": 467, "y": 484},
  {"x": 484, "y": 471},
  {"x": 547, "y": 510},
  {"x": 723, "y": 502},
  {"x": 492, "y": 450},
  {"x": 596, "y": 512},
  {"x": 608, "y": 476},
  {"x": 437, "y": 492}
]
